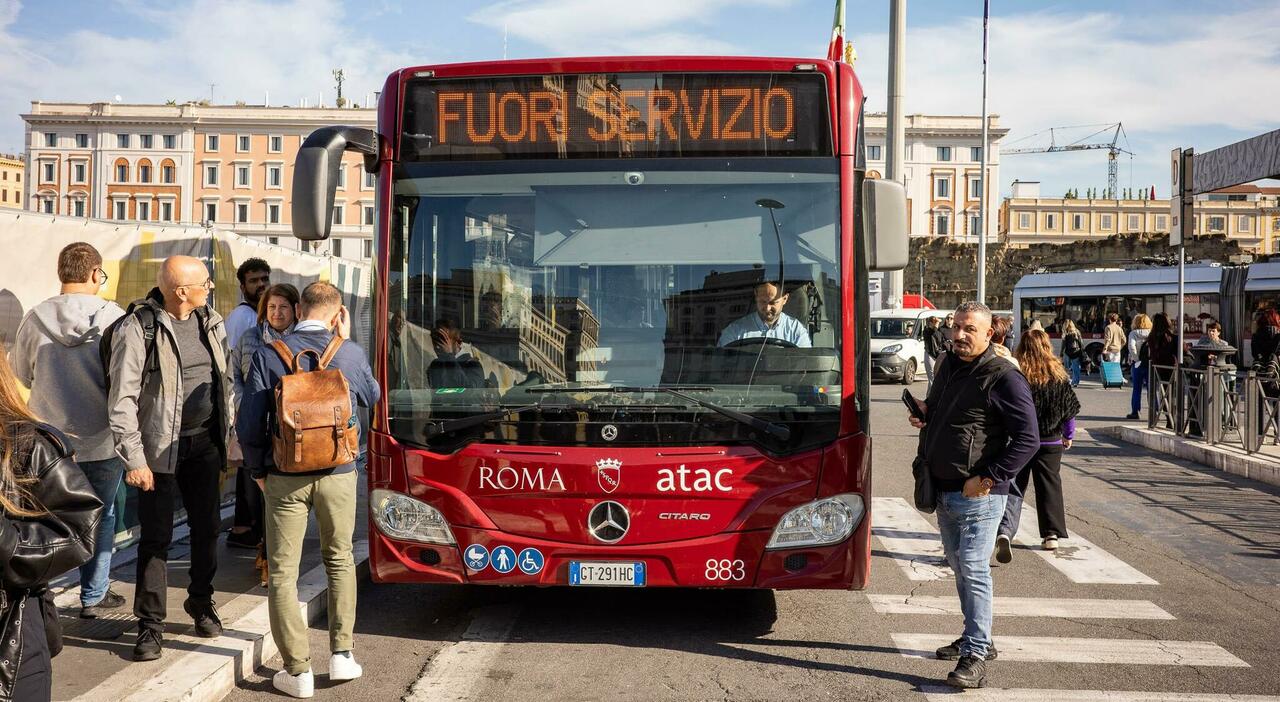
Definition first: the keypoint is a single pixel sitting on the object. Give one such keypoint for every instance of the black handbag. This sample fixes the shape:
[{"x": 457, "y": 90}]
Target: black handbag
[
  {"x": 926, "y": 497},
  {"x": 52, "y": 625}
]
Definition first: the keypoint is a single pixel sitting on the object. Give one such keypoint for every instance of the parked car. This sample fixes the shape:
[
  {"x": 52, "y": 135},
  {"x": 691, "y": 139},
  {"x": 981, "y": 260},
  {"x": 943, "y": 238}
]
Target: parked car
[{"x": 897, "y": 343}]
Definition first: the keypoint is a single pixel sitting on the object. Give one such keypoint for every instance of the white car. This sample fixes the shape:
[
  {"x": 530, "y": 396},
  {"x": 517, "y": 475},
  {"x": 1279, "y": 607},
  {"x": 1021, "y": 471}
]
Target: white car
[{"x": 897, "y": 346}]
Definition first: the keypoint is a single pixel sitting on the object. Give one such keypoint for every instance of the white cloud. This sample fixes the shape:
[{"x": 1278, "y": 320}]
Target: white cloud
[{"x": 245, "y": 47}]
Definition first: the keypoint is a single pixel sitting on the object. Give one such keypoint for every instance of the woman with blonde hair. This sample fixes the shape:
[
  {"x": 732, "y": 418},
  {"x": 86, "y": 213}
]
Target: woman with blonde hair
[
  {"x": 1056, "y": 409},
  {"x": 1137, "y": 369},
  {"x": 1072, "y": 350},
  {"x": 48, "y": 518}
]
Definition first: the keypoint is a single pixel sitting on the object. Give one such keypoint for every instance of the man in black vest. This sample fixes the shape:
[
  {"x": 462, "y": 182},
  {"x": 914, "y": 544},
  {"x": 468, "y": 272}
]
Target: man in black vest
[{"x": 979, "y": 431}]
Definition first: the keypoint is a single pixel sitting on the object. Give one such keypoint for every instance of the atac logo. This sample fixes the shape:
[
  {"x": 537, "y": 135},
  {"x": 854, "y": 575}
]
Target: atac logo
[{"x": 609, "y": 474}]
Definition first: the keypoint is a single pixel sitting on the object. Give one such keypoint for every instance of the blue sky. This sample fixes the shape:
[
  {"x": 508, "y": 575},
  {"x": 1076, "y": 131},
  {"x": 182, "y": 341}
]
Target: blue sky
[{"x": 1176, "y": 73}]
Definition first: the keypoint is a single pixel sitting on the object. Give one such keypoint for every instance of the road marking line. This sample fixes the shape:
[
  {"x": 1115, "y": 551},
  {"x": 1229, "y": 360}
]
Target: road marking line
[
  {"x": 911, "y": 540},
  {"x": 457, "y": 672},
  {"x": 1053, "y": 649},
  {"x": 1082, "y": 561},
  {"x": 1024, "y": 607},
  {"x": 940, "y": 693}
]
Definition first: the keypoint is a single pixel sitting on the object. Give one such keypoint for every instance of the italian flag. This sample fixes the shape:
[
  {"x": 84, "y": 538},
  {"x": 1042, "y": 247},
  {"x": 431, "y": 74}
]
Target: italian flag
[{"x": 840, "y": 49}]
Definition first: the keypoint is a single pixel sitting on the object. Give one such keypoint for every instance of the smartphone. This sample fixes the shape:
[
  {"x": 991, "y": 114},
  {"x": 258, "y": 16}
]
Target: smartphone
[{"x": 910, "y": 401}]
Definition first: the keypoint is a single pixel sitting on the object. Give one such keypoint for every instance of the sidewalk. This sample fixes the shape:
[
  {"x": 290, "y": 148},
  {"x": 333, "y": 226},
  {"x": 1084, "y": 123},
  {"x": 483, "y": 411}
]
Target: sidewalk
[
  {"x": 96, "y": 663},
  {"x": 1263, "y": 466}
]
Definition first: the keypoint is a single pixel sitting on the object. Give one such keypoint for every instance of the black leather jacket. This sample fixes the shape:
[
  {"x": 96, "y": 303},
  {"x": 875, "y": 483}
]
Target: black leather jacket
[{"x": 34, "y": 550}]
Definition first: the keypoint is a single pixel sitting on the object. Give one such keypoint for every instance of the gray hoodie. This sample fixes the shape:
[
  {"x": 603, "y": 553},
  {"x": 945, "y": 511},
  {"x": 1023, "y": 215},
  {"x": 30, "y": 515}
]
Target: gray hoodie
[{"x": 56, "y": 355}]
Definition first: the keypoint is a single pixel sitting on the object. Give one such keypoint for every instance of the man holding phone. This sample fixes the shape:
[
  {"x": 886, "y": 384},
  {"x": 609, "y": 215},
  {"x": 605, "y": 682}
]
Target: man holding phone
[{"x": 979, "y": 424}]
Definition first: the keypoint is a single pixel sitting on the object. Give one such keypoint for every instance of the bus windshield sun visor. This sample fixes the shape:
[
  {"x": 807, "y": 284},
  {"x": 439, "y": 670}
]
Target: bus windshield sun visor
[{"x": 778, "y": 431}]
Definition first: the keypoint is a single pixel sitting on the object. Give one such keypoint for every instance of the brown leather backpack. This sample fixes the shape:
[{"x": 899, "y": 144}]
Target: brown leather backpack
[{"x": 316, "y": 425}]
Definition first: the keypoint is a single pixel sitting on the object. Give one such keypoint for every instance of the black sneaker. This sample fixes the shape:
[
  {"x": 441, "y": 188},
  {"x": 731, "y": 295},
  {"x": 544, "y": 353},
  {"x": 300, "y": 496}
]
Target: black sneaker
[
  {"x": 244, "y": 539},
  {"x": 1132, "y": 415},
  {"x": 951, "y": 651},
  {"x": 111, "y": 600},
  {"x": 1004, "y": 549},
  {"x": 148, "y": 646},
  {"x": 205, "y": 616},
  {"x": 970, "y": 672}
]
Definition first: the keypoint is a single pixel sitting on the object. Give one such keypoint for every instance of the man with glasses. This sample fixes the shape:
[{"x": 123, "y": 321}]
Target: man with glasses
[
  {"x": 55, "y": 354},
  {"x": 170, "y": 402}
]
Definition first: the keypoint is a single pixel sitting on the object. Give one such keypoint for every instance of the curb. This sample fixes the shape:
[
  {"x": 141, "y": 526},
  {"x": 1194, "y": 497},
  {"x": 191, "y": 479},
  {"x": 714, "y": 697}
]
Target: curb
[
  {"x": 1225, "y": 458},
  {"x": 212, "y": 670}
]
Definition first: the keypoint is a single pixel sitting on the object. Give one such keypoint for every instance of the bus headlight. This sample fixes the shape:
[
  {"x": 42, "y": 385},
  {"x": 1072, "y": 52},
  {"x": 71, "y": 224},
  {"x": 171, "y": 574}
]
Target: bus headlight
[
  {"x": 402, "y": 517},
  {"x": 819, "y": 523},
  {"x": 891, "y": 348}
]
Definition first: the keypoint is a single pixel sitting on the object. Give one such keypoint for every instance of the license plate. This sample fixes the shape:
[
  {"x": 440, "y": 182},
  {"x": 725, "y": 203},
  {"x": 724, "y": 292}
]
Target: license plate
[{"x": 607, "y": 573}]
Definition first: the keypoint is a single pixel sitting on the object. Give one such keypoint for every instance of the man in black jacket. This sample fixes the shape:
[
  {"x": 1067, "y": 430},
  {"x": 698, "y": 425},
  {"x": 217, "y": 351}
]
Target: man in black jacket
[
  {"x": 979, "y": 431},
  {"x": 933, "y": 345}
]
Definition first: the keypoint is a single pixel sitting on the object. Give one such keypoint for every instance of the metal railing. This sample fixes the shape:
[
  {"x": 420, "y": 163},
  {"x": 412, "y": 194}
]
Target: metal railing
[{"x": 1215, "y": 405}]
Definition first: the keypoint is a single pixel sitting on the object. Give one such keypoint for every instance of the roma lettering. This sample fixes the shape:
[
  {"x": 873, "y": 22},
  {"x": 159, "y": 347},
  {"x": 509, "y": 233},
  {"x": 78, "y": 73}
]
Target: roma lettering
[{"x": 512, "y": 479}]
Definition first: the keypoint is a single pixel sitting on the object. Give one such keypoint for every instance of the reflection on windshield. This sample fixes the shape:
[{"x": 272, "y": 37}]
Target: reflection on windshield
[
  {"x": 506, "y": 282},
  {"x": 888, "y": 328}
]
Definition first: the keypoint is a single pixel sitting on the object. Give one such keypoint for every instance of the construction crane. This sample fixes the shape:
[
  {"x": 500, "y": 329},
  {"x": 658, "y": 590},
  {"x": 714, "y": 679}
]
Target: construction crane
[{"x": 1114, "y": 130}]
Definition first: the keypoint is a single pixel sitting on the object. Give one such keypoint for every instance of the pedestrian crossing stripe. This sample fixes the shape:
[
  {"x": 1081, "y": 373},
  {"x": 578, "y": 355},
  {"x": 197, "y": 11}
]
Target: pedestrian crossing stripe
[
  {"x": 1023, "y": 607},
  {"x": 1054, "y": 649},
  {"x": 1083, "y": 562},
  {"x": 909, "y": 538},
  {"x": 941, "y": 693}
]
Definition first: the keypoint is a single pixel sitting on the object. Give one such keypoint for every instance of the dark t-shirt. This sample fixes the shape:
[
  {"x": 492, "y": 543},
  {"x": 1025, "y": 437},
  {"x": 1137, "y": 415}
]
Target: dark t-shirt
[{"x": 197, "y": 375}]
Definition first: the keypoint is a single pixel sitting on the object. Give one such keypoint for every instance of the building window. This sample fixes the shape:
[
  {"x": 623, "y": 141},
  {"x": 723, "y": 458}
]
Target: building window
[
  {"x": 147, "y": 140},
  {"x": 338, "y": 211},
  {"x": 1051, "y": 221},
  {"x": 50, "y": 139},
  {"x": 170, "y": 141},
  {"x": 242, "y": 143},
  {"x": 368, "y": 181},
  {"x": 166, "y": 174},
  {"x": 975, "y": 225},
  {"x": 211, "y": 176},
  {"x": 1162, "y": 222},
  {"x": 336, "y": 249},
  {"x": 122, "y": 173},
  {"x": 4, "y": 195},
  {"x": 144, "y": 211},
  {"x": 242, "y": 176},
  {"x": 1275, "y": 224},
  {"x": 77, "y": 208},
  {"x": 122, "y": 209},
  {"x": 367, "y": 248},
  {"x": 1077, "y": 222},
  {"x": 368, "y": 215},
  {"x": 1104, "y": 222},
  {"x": 242, "y": 213},
  {"x": 122, "y": 141},
  {"x": 1024, "y": 220},
  {"x": 166, "y": 211},
  {"x": 275, "y": 143},
  {"x": 1135, "y": 222},
  {"x": 144, "y": 174},
  {"x": 273, "y": 213},
  {"x": 873, "y": 152},
  {"x": 210, "y": 142},
  {"x": 273, "y": 240},
  {"x": 975, "y": 154},
  {"x": 82, "y": 141},
  {"x": 342, "y": 177},
  {"x": 975, "y": 188},
  {"x": 78, "y": 172},
  {"x": 1217, "y": 223},
  {"x": 942, "y": 188},
  {"x": 1243, "y": 225},
  {"x": 210, "y": 211},
  {"x": 944, "y": 153},
  {"x": 941, "y": 224},
  {"x": 48, "y": 172},
  {"x": 48, "y": 205},
  {"x": 273, "y": 176}
]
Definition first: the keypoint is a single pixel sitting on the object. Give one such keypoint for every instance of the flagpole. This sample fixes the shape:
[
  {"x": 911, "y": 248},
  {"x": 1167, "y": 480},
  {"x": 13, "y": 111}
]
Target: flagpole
[{"x": 982, "y": 168}]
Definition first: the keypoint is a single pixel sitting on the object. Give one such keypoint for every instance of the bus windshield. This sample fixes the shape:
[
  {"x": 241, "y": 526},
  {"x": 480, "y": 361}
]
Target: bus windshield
[{"x": 551, "y": 285}]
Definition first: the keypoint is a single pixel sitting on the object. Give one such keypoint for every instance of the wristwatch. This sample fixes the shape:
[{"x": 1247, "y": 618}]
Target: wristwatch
[{"x": 986, "y": 483}]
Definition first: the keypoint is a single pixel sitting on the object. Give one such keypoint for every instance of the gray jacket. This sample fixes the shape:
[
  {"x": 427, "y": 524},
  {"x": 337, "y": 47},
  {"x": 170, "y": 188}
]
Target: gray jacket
[
  {"x": 55, "y": 353},
  {"x": 242, "y": 351},
  {"x": 146, "y": 420}
]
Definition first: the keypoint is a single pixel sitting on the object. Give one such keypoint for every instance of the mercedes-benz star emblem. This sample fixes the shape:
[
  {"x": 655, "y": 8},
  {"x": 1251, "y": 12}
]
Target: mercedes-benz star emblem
[
  {"x": 608, "y": 522},
  {"x": 609, "y": 432}
]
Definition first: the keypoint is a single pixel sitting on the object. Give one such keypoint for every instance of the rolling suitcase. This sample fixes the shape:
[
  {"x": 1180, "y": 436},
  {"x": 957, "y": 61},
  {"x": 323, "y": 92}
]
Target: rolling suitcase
[{"x": 1111, "y": 375}]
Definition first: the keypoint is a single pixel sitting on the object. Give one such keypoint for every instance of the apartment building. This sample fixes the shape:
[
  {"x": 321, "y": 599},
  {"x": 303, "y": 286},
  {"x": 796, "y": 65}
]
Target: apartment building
[
  {"x": 230, "y": 166},
  {"x": 12, "y": 171}
]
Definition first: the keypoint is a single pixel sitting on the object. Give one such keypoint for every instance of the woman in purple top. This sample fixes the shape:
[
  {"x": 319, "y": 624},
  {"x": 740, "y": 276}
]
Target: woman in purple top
[{"x": 1056, "y": 410}]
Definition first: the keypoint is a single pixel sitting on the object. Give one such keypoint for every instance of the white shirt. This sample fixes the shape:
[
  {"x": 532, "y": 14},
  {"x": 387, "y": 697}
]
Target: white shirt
[{"x": 787, "y": 328}]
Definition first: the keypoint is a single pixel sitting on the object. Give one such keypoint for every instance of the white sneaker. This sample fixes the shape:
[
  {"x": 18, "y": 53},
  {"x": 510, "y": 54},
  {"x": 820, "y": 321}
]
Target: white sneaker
[
  {"x": 302, "y": 685},
  {"x": 1050, "y": 543},
  {"x": 343, "y": 666}
]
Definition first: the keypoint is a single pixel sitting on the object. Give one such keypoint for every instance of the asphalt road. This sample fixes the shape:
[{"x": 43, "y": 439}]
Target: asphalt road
[{"x": 1169, "y": 584}]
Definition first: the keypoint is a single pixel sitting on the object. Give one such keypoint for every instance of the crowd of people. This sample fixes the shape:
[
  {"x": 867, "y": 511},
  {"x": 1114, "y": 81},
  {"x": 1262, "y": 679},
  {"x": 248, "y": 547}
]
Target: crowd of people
[{"x": 165, "y": 395}]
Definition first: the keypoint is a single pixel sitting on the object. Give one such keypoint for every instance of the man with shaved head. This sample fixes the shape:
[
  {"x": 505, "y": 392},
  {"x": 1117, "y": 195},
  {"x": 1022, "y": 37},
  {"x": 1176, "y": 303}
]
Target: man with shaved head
[{"x": 170, "y": 406}]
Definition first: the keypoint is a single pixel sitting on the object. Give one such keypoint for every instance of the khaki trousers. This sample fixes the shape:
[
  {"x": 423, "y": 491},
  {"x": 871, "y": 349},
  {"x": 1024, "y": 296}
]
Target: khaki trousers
[{"x": 289, "y": 499}]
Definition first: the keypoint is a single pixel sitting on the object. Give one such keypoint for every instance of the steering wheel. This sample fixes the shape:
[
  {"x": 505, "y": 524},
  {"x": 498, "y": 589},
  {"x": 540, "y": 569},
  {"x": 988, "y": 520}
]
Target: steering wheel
[{"x": 754, "y": 340}]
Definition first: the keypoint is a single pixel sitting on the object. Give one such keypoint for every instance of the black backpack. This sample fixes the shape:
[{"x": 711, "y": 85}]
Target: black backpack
[
  {"x": 1071, "y": 346},
  {"x": 146, "y": 315}
]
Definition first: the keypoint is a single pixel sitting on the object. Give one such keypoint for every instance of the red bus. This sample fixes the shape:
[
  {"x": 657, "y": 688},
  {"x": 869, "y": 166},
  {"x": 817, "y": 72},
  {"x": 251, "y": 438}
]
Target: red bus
[{"x": 583, "y": 383}]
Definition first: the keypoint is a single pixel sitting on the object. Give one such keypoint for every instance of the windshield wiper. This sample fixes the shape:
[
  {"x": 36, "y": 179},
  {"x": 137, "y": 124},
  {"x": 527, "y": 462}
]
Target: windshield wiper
[
  {"x": 448, "y": 425},
  {"x": 778, "y": 431}
]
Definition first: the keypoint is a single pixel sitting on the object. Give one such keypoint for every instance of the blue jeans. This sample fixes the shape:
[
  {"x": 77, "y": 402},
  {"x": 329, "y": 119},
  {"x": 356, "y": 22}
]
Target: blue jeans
[
  {"x": 1139, "y": 377},
  {"x": 95, "y": 574},
  {"x": 968, "y": 527},
  {"x": 1073, "y": 365}
]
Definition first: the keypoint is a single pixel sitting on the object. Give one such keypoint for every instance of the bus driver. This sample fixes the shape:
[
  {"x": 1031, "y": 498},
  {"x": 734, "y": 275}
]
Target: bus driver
[{"x": 768, "y": 320}]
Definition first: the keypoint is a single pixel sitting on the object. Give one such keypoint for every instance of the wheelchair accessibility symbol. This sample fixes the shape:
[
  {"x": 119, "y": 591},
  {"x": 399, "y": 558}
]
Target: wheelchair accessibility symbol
[{"x": 530, "y": 561}]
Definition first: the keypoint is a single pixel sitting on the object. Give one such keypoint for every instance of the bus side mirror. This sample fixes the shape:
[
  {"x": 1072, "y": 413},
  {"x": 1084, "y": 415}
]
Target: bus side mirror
[
  {"x": 315, "y": 176},
  {"x": 884, "y": 224}
]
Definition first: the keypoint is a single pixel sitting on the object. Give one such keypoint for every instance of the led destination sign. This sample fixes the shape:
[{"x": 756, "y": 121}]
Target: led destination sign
[{"x": 617, "y": 115}]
